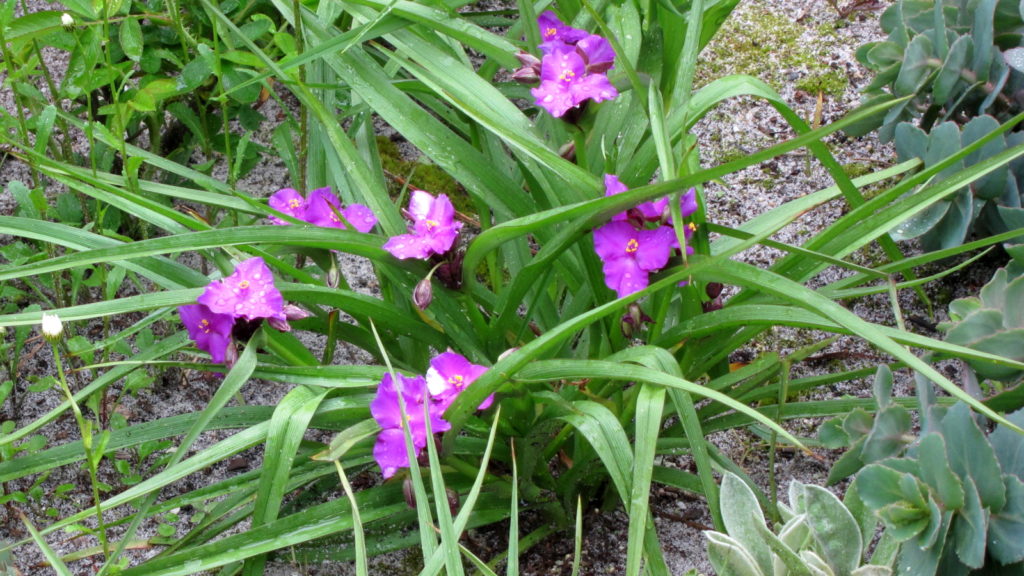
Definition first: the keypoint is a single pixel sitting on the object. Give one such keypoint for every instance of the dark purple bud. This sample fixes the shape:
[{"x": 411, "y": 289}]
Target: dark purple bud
[
  {"x": 627, "y": 326},
  {"x": 528, "y": 60},
  {"x": 713, "y": 289},
  {"x": 635, "y": 314},
  {"x": 409, "y": 492},
  {"x": 293, "y": 312},
  {"x": 711, "y": 305},
  {"x": 230, "y": 355},
  {"x": 423, "y": 294},
  {"x": 279, "y": 324},
  {"x": 526, "y": 75},
  {"x": 449, "y": 273},
  {"x": 453, "y": 500}
]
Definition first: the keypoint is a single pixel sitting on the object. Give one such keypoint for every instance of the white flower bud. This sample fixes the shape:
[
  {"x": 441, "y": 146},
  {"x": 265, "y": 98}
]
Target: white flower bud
[{"x": 52, "y": 328}]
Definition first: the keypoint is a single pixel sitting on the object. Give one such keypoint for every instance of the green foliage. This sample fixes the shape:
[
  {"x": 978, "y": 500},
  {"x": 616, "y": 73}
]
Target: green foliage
[
  {"x": 955, "y": 500},
  {"x": 994, "y": 322},
  {"x": 584, "y": 412},
  {"x": 950, "y": 68},
  {"x": 821, "y": 535}
]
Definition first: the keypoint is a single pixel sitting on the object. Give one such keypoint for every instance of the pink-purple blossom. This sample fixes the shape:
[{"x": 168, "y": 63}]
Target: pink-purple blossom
[
  {"x": 653, "y": 211},
  {"x": 630, "y": 255},
  {"x": 433, "y": 229},
  {"x": 565, "y": 82},
  {"x": 554, "y": 32},
  {"x": 389, "y": 449},
  {"x": 449, "y": 374},
  {"x": 248, "y": 293},
  {"x": 321, "y": 208},
  {"x": 210, "y": 331}
]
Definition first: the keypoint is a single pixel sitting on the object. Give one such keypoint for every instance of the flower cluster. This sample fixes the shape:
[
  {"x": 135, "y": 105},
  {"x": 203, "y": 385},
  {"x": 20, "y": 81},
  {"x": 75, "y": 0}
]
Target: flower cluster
[
  {"x": 433, "y": 229},
  {"x": 449, "y": 374},
  {"x": 321, "y": 208},
  {"x": 247, "y": 296},
  {"x": 573, "y": 68},
  {"x": 629, "y": 250}
]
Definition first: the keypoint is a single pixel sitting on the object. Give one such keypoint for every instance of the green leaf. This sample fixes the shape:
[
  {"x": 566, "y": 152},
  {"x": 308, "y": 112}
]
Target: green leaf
[
  {"x": 130, "y": 35},
  {"x": 889, "y": 434},
  {"x": 970, "y": 527},
  {"x": 935, "y": 471},
  {"x": 834, "y": 530},
  {"x": 1006, "y": 528},
  {"x": 728, "y": 556},
  {"x": 972, "y": 457},
  {"x": 744, "y": 520}
]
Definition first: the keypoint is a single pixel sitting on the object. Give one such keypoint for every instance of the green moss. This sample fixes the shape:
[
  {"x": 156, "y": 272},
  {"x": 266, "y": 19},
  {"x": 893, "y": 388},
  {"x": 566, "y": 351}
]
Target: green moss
[
  {"x": 420, "y": 174},
  {"x": 759, "y": 42},
  {"x": 831, "y": 82}
]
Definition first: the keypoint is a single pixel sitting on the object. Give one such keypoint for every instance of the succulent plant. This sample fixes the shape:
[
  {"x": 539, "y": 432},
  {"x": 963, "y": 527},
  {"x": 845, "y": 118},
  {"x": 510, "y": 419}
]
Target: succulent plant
[
  {"x": 821, "y": 535},
  {"x": 956, "y": 500},
  {"x": 992, "y": 322},
  {"x": 869, "y": 437},
  {"x": 959, "y": 63}
]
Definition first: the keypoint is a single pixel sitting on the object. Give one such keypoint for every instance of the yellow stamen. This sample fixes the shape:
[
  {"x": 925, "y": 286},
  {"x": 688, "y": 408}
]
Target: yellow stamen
[
  {"x": 632, "y": 246},
  {"x": 455, "y": 380},
  {"x": 550, "y": 32},
  {"x": 692, "y": 226},
  {"x": 567, "y": 76},
  {"x": 431, "y": 224},
  {"x": 243, "y": 284},
  {"x": 204, "y": 325},
  {"x": 294, "y": 203}
]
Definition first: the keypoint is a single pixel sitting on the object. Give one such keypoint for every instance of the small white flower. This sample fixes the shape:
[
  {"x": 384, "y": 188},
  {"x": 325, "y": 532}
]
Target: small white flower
[
  {"x": 52, "y": 327},
  {"x": 67, "y": 21}
]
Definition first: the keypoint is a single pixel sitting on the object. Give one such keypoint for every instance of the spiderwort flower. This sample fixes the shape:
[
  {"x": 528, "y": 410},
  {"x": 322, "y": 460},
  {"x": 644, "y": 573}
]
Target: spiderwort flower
[
  {"x": 321, "y": 208},
  {"x": 389, "y": 449},
  {"x": 247, "y": 293},
  {"x": 451, "y": 373},
  {"x": 565, "y": 82},
  {"x": 554, "y": 32},
  {"x": 433, "y": 229},
  {"x": 630, "y": 255},
  {"x": 654, "y": 211},
  {"x": 209, "y": 330}
]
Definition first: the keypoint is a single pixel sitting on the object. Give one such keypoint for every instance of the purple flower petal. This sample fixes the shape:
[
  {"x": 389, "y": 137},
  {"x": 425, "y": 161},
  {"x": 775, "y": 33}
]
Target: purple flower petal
[
  {"x": 434, "y": 228},
  {"x": 210, "y": 331},
  {"x": 248, "y": 293},
  {"x": 288, "y": 201},
  {"x": 389, "y": 451},
  {"x": 553, "y": 31},
  {"x": 450, "y": 373},
  {"x": 655, "y": 247},
  {"x": 360, "y": 217},
  {"x": 597, "y": 52},
  {"x": 322, "y": 208}
]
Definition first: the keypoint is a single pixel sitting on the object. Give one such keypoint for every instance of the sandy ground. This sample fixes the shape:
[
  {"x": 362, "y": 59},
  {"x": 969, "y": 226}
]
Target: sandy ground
[{"x": 737, "y": 128}]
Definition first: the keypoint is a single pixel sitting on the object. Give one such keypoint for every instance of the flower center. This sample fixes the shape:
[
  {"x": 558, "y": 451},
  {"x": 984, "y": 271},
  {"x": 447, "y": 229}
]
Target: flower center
[
  {"x": 550, "y": 33},
  {"x": 204, "y": 325},
  {"x": 567, "y": 76},
  {"x": 431, "y": 224},
  {"x": 294, "y": 203},
  {"x": 632, "y": 246},
  {"x": 455, "y": 380},
  {"x": 243, "y": 284},
  {"x": 692, "y": 226}
]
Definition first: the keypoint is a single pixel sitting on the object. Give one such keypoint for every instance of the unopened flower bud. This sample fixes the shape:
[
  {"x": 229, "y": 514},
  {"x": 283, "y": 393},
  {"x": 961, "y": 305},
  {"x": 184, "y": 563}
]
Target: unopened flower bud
[
  {"x": 67, "y": 21},
  {"x": 423, "y": 294},
  {"x": 52, "y": 327},
  {"x": 409, "y": 492},
  {"x": 528, "y": 60},
  {"x": 636, "y": 315},
  {"x": 506, "y": 353},
  {"x": 453, "y": 500},
  {"x": 279, "y": 324},
  {"x": 526, "y": 75},
  {"x": 713, "y": 289},
  {"x": 230, "y": 355},
  {"x": 626, "y": 324},
  {"x": 293, "y": 312}
]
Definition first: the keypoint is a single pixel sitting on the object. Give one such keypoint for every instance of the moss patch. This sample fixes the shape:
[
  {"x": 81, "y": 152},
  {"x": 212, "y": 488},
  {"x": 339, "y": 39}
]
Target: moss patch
[{"x": 770, "y": 46}]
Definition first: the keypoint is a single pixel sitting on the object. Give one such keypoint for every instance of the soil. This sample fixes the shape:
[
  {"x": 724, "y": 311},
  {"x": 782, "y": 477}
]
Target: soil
[{"x": 808, "y": 57}]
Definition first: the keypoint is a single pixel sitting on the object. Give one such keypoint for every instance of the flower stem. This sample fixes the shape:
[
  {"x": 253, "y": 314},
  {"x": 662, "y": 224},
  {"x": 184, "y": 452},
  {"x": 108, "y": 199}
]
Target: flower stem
[{"x": 93, "y": 463}]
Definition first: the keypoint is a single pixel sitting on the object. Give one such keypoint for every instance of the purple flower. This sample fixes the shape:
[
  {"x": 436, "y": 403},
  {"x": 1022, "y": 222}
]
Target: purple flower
[
  {"x": 597, "y": 53},
  {"x": 290, "y": 202},
  {"x": 322, "y": 208},
  {"x": 210, "y": 331},
  {"x": 433, "y": 229},
  {"x": 248, "y": 293},
  {"x": 449, "y": 374},
  {"x": 554, "y": 32},
  {"x": 565, "y": 82},
  {"x": 630, "y": 255},
  {"x": 656, "y": 211},
  {"x": 389, "y": 450}
]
